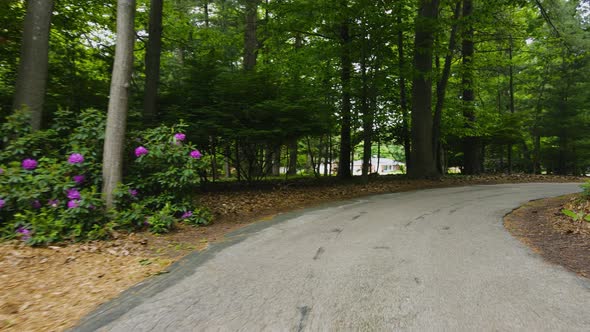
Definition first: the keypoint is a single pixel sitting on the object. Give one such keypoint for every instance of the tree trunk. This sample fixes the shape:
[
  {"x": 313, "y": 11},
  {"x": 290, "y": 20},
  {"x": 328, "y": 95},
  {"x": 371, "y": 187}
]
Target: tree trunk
[
  {"x": 511, "y": 88},
  {"x": 367, "y": 113},
  {"x": 441, "y": 90},
  {"x": 422, "y": 161},
  {"x": 226, "y": 159},
  {"x": 213, "y": 158},
  {"x": 471, "y": 143},
  {"x": 114, "y": 144},
  {"x": 403, "y": 95},
  {"x": 152, "y": 62},
  {"x": 34, "y": 59},
  {"x": 345, "y": 114},
  {"x": 292, "y": 169},
  {"x": 250, "y": 38},
  {"x": 276, "y": 160},
  {"x": 206, "y": 12}
]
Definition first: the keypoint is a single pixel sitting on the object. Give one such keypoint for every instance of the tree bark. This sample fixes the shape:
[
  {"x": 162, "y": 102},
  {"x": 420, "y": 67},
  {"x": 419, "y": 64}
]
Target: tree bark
[
  {"x": 472, "y": 155},
  {"x": 34, "y": 59},
  {"x": 112, "y": 169},
  {"x": 367, "y": 112},
  {"x": 250, "y": 38},
  {"x": 441, "y": 90},
  {"x": 292, "y": 169},
  {"x": 403, "y": 94},
  {"x": 511, "y": 88},
  {"x": 206, "y": 12},
  {"x": 345, "y": 114},
  {"x": 423, "y": 162},
  {"x": 276, "y": 160},
  {"x": 152, "y": 62}
]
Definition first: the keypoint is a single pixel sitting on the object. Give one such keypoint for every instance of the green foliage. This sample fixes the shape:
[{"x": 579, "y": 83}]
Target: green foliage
[
  {"x": 57, "y": 199},
  {"x": 162, "y": 221},
  {"x": 576, "y": 216},
  {"x": 586, "y": 190},
  {"x": 198, "y": 216}
]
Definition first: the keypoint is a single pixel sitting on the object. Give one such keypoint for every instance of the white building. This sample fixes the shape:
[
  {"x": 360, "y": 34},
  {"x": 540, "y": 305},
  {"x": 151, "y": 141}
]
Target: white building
[{"x": 382, "y": 166}]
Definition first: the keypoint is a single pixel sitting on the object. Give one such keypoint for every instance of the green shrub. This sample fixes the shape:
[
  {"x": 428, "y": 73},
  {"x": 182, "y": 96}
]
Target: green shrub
[
  {"x": 49, "y": 180},
  {"x": 163, "y": 220},
  {"x": 586, "y": 190}
]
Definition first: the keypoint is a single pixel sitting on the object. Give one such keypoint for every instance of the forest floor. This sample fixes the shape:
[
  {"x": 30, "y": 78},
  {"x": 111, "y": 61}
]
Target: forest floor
[
  {"x": 557, "y": 238},
  {"x": 51, "y": 288}
]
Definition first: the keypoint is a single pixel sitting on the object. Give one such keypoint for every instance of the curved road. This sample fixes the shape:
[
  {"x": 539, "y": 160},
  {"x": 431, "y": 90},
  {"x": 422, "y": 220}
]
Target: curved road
[{"x": 431, "y": 260}]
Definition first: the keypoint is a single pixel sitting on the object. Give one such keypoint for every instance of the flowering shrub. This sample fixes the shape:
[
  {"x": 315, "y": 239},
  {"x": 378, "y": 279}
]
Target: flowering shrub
[{"x": 50, "y": 192}]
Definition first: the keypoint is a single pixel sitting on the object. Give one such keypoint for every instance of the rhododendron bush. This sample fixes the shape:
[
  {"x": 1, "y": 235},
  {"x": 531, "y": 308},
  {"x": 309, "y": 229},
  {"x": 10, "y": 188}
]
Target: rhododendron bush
[{"x": 50, "y": 180}]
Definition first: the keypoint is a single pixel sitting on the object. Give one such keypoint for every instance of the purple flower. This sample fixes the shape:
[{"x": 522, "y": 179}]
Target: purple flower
[
  {"x": 76, "y": 158},
  {"x": 72, "y": 204},
  {"x": 79, "y": 178},
  {"x": 25, "y": 233},
  {"x": 53, "y": 203},
  {"x": 140, "y": 151},
  {"x": 133, "y": 192},
  {"x": 36, "y": 204},
  {"x": 73, "y": 194},
  {"x": 187, "y": 215},
  {"x": 29, "y": 164},
  {"x": 2, "y": 203},
  {"x": 1, "y": 170},
  {"x": 179, "y": 137},
  {"x": 196, "y": 154}
]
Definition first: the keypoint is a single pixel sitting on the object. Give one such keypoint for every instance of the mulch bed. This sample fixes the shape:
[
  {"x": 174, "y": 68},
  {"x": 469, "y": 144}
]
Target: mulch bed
[{"x": 541, "y": 226}]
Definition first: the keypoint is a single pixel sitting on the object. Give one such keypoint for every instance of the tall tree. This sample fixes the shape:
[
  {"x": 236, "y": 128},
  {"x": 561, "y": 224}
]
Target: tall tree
[
  {"x": 250, "y": 36},
  {"x": 441, "y": 90},
  {"x": 423, "y": 158},
  {"x": 403, "y": 92},
  {"x": 472, "y": 154},
  {"x": 152, "y": 62},
  {"x": 34, "y": 59},
  {"x": 345, "y": 76},
  {"x": 114, "y": 144}
]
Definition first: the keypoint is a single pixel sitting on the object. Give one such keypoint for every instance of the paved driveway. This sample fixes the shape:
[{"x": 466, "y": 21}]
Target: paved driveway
[{"x": 431, "y": 260}]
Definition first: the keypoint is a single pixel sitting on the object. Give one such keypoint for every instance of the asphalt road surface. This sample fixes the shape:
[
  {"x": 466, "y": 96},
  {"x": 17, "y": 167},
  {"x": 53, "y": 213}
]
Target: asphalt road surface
[{"x": 431, "y": 260}]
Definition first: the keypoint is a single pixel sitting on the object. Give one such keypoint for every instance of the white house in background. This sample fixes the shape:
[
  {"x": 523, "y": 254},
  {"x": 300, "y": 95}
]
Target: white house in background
[
  {"x": 386, "y": 166},
  {"x": 382, "y": 166}
]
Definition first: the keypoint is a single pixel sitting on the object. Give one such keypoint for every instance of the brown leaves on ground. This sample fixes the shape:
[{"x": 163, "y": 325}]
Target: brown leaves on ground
[
  {"x": 50, "y": 289},
  {"x": 243, "y": 206},
  {"x": 568, "y": 225},
  {"x": 541, "y": 226}
]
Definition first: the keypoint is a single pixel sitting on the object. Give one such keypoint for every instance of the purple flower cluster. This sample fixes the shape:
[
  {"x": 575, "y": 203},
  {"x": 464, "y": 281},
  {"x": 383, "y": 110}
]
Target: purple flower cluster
[
  {"x": 29, "y": 164},
  {"x": 53, "y": 203},
  {"x": 133, "y": 192},
  {"x": 25, "y": 233},
  {"x": 76, "y": 158},
  {"x": 196, "y": 154},
  {"x": 140, "y": 151},
  {"x": 79, "y": 178},
  {"x": 179, "y": 137},
  {"x": 73, "y": 194},
  {"x": 73, "y": 203},
  {"x": 187, "y": 215},
  {"x": 2, "y": 203},
  {"x": 1, "y": 170},
  {"x": 36, "y": 204}
]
